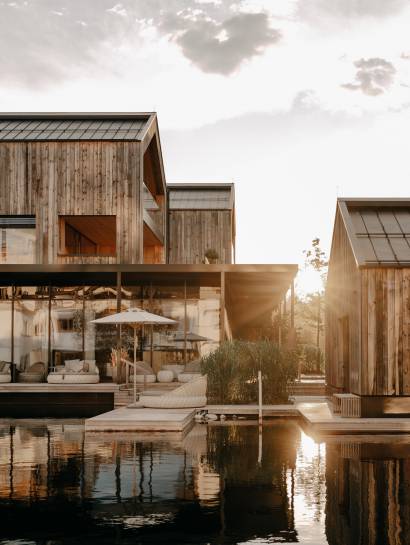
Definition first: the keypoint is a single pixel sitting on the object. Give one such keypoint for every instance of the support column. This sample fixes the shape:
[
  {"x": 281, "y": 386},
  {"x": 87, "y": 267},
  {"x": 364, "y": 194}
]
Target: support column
[
  {"x": 222, "y": 312},
  {"x": 119, "y": 298},
  {"x": 49, "y": 329},
  {"x": 13, "y": 365},
  {"x": 292, "y": 304},
  {"x": 185, "y": 323}
]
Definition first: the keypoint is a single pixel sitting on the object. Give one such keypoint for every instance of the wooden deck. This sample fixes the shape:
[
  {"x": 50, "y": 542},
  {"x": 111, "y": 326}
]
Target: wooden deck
[
  {"x": 320, "y": 419},
  {"x": 140, "y": 419},
  {"x": 44, "y": 387},
  {"x": 253, "y": 410}
]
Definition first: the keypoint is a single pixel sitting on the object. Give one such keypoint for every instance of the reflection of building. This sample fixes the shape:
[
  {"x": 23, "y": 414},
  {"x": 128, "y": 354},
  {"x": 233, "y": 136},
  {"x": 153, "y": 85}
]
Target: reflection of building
[
  {"x": 105, "y": 233},
  {"x": 368, "y": 492},
  {"x": 367, "y": 310},
  {"x": 127, "y": 489}
]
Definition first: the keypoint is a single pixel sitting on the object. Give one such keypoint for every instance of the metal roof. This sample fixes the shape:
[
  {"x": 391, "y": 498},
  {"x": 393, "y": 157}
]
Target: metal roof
[
  {"x": 70, "y": 126},
  {"x": 378, "y": 229},
  {"x": 200, "y": 196}
]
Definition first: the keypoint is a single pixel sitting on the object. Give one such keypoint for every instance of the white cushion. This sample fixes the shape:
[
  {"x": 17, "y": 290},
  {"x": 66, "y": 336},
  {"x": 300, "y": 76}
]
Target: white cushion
[
  {"x": 92, "y": 368},
  {"x": 73, "y": 366},
  {"x": 188, "y": 377}
]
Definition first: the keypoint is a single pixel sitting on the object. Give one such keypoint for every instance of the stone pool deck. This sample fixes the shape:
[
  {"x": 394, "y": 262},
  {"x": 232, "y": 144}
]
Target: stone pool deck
[
  {"x": 140, "y": 419},
  {"x": 315, "y": 414}
]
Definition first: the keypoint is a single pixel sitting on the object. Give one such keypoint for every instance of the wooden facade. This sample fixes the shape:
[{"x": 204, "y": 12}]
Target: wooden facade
[
  {"x": 50, "y": 179},
  {"x": 193, "y": 232},
  {"x": 197, "y": 225},
  {"x": 367, "y": 305}
]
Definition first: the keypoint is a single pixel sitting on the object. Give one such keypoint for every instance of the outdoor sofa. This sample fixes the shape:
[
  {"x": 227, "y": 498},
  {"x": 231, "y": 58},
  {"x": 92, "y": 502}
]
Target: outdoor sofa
[
  {"x": 75, "y": 372},
  {"x": 5, "y": 372}
]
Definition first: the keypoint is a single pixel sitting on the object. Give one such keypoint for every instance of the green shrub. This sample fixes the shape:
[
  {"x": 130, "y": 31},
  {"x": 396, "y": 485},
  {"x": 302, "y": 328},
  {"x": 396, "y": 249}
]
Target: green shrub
[
  {"x": 233, "y": 368},
  {"x": 312, "y": 360}
]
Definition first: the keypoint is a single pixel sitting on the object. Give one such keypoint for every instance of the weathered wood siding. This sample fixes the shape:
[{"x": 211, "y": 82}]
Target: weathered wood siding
[
  {"x": 376, "y": 302},
  {"x": 52, "y": 178},
  {"x": 193, "y": 232},
  {"x": 342, "y": 301},
  {"x": 385, "y": 331}
]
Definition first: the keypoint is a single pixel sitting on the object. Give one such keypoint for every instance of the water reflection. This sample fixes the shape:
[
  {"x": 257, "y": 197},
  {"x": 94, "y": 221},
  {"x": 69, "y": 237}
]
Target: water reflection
[
  {"x": 61, "y": 486},
  {"x": 368, "y": 491}
]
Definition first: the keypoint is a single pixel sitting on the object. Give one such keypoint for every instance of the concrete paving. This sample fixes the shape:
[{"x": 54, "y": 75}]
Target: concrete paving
[{"x": 319, "y": 417}]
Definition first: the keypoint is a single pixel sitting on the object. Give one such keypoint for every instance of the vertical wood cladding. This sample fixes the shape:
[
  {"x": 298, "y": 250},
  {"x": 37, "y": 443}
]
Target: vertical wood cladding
[
  {"x": 342, "y": 303},
  {"x": 49, "y": 179},
  {"x": 193, "y": 232},
  {"x": 376, "y": 301}
]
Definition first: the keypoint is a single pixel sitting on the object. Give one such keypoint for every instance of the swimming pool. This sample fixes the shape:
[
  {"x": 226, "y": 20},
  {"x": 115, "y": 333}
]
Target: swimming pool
[{"x": 221, "y": 484}]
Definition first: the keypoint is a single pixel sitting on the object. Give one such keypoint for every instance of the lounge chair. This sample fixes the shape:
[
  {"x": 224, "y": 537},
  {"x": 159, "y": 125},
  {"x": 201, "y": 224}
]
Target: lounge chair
[
  {"x": 5, "y": 372},
  {"x": 35, "y": 373},
  {"x": 143, "y": 369},
  {"x": 191, "y": 372},
  {"x": 190, "y": 395},
  {"x": 75, "y": 372}
]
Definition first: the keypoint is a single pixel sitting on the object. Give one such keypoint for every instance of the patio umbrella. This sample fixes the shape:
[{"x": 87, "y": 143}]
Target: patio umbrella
[
  {"x": 134, "y": 317},
  {"x": 191, "y": 338}
]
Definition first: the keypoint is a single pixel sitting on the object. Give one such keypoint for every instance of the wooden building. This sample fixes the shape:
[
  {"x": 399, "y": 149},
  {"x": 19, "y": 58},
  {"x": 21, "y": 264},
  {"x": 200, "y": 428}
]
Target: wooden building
[
  {"x": 92, "y": 185},
  {"x": 88, "y": 227},
  {"x": 367, "y": 305},
  {"x": 201, "y": 220}
]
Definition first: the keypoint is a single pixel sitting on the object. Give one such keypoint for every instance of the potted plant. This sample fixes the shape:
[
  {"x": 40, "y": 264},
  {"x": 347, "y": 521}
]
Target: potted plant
[
  {"x": 116, "y": 356},
  {"x": 211, "y": 256}
]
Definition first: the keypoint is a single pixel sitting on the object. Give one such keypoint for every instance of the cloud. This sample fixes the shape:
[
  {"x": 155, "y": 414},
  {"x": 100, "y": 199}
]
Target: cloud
[
  {"x": 44, "y": 42},
  {"x": 320, "y": 11},
  {"x": 48, "y": 41},
  {"x": 222, "y": 47},
  {"x": 373, "y": 77}
]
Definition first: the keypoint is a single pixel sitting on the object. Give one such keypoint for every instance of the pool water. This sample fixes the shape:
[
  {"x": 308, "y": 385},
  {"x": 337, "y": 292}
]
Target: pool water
[{"x": 221, "y": 484}]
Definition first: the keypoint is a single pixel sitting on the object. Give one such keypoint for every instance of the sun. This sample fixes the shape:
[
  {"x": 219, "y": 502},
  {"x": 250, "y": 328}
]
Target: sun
[{"x": 308, "y": 281}]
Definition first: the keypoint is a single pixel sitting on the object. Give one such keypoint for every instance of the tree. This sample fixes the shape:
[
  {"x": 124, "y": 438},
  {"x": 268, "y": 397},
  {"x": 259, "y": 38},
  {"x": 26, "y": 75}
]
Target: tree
[{"x": 316, "y": 259}]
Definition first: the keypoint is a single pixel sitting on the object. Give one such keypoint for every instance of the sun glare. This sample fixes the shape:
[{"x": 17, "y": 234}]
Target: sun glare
[{"x": 308, "y": 281}]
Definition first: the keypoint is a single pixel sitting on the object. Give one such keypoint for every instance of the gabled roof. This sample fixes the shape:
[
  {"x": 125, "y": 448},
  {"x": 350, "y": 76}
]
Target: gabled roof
[
  {"x": 201, "y": 196},
  {"x": 378, "y": 230},
  {"x": 17, "y": 127}
]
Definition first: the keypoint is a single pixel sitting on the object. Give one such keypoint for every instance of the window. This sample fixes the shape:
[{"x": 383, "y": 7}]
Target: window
[
  {"x": 17, "y": 239},
  {"x": 88, "y": 235},
  {"x": 65, "y": 324}
]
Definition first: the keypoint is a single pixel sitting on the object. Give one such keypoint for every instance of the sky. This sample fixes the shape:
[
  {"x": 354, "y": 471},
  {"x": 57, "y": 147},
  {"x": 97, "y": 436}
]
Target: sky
[{"x": 296, "y": 101}]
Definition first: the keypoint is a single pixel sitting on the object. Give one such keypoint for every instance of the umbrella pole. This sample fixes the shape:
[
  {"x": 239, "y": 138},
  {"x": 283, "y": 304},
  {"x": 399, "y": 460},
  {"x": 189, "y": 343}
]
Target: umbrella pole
[{"x": 135, "y": 364}]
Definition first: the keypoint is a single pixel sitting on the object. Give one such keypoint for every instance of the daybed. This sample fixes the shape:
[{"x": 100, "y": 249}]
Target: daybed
[
  {"x": 75, "y": 372},
  {"x": 5, "y": 372},
  {"x": 190, "y": 395}
]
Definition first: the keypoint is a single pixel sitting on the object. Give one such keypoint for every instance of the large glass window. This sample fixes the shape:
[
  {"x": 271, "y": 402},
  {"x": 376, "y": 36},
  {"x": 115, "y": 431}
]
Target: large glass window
[
  {"x": 31, "y": 327},
  {"x": 5, "y": 323},
  {"x": 203, "y": 320},
  {"x": 66, "y": 324},
  {"x": 17, "y": 239},
  {"x": 99, "y": 340}
]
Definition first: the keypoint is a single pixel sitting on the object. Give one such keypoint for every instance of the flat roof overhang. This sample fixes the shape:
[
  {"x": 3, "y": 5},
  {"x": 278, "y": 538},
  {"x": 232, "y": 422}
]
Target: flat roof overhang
[{"x": 250, "y": 280}]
